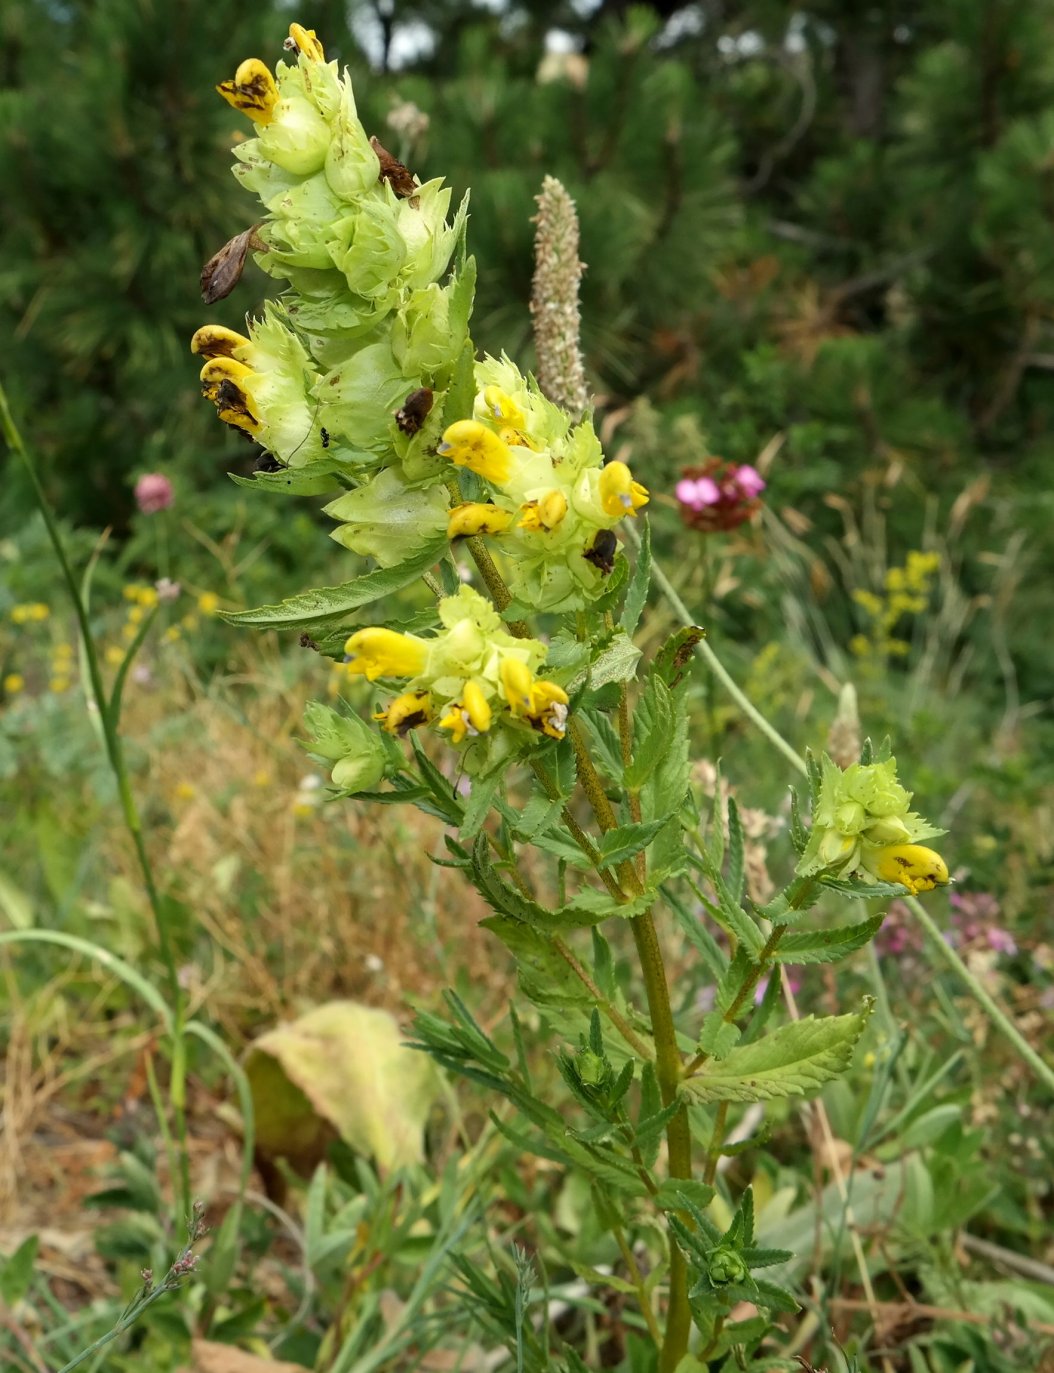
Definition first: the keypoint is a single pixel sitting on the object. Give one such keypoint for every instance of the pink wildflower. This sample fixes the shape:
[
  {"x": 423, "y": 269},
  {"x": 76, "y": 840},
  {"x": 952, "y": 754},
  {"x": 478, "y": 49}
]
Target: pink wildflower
[
  {"x": 718, "y": 495},
  {"x": 153, "y": 493}
]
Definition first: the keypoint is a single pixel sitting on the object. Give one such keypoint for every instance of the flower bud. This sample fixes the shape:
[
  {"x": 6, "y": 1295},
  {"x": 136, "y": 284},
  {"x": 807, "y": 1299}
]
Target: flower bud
[
  {"x": 912, "y": 865},
  {"x": 358, "y": 756},
  {"x": 726, "y": 1266}
]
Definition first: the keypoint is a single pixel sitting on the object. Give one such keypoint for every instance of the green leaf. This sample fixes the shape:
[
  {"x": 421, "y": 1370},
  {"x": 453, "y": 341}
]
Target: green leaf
[
  {"x": 653, "y": 720},
  {"x": 606, "y": 745},
  {"x": 637, "y": 590},
  {"x": 615, "y": 663},
  {"x": 795, "y": 1060},
  {"x": 617, "y": 845},
  {"x": 545, "y": 977},
  {"x": 314, "y": 479},
  {"x": 331, "y": 602},
  {"x": 480, "y": 800},
  {"x": 826, "y": 946},
  {"x": 16, "y": 1272},
  {"x": 674, "y": 659},
  {"x": 675, "y": 1194}
]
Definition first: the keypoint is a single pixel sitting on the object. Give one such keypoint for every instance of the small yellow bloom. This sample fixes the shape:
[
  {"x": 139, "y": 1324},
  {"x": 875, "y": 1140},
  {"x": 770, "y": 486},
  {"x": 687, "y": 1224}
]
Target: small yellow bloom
[
  {"x": 135, "y": 615},
  {"x": 302, "y": 809},
  {"x": 261, "y": 778},
  {"x": 470, "y": 444},
  {"x": 171, "y": 634},
  {"x": 385, "y": 653},
  {"x": 860, "y": 645},
  {"x": 38, "y": 611},
  {"x": 14, "y": 682},
  {"x": 913, "y": 866},
  {"x": 62, "y": 652},
  {"x": 475, "y": 517},
  {"x": 147, "y": 597},
  {"x": 131, "y": 591},
  {"x": 221, "y": 383},
  {"x": 189, "y": 623},
  {"x": 128, "y": 633},
  {"x": 406, "y": 712},
  {"x": 548, "y": 710},
  {"x": 545, "y": 513},
  {"x": 217, "y": 341},
  {"x": 184, "y": 791},
  {"x": 20, "y": 614},
  {"x": 306, "y": 42},
  {"x": 114, "y": 655},
  {"x": 208, "y": 603},
  {"x": 619, "y": 493},
  {"x": 517, "y": 679},
  {"x": 58, "y": 685},
  {"x": 503, "y": 407},
  {"x": 252, "y": 91},
  {"x": 477, "y": 707}
]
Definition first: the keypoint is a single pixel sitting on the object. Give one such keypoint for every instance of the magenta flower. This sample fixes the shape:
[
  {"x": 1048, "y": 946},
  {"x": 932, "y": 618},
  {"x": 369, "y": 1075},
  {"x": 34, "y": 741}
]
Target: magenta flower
[
  {"x": 718, "y": 495},
  {"x": 153, "y": 493}
]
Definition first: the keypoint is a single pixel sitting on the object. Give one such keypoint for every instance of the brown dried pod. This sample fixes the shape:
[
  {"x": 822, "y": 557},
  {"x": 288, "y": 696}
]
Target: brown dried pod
[
  {"x": 400, "y": 178},
  {"x": 224, "y": 269},
  {"x": 414, "y": 410}
]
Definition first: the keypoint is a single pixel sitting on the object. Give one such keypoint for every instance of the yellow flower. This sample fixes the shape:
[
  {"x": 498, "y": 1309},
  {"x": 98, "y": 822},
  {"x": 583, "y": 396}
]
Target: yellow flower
[
  {"x": 128, "y": 633},
  {"x": 471, "y": 715},
  {"x": 217, "y": 341},
  {"x": 860, "y": 644},
  {"x": 548, "y": 710},
  {"x": 406, "y": 712},
  {"x": 517, "y": 680},
  {"x": 221, "y": 383},
  {"x": 619, "y": 493},
  {"x": 59, "y": 684},
  {"x": 62, "y": 652},
  {"x": 14, "y": 682},
  {"x": 38, "y": 611},
  {"x": 474, "y": 517},
  {"x": 183, "y": 791},
  {"x": 171, "y": 634},
  {"x": 305, "y": 41},
  {"x": 912, "y": 865},
  {"x": 467, "y": 443},
  {"x": 208, "y": 603},
  {"x": 135, "y": 615},
  {"x": 132, "y": 591},
  {"x": 147, "y": 597},
  {"x": 252, "y": 91},
  {"x": 504, "y": 408},
  {"x": 385, "y": 653},
  {"x": 545, "y": 513},
  {"x": 114, "y": 655},
  {"x": 261, "y": 778}
]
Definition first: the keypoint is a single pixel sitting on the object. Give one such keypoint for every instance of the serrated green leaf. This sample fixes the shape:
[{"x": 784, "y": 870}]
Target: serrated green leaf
[
  {"x": 606, "y": 748},
  {"x": 615, "y": 663},
  {"x": 674, "y": 659},
  {"x": 314, "y": 479},
  {"x": 795, "y": 1060},
  {"x": 637, "y": 590},
  {"x": 617, "y": 845},
  {"x": 675, "y": 1194},
  {"x": 735, "y": 880},
  {"x": 826, "y": 946},
  {"x": 326, "y": 603},
  {"x": 480, "y": 800},
  {"x": 652, "y": 726}
]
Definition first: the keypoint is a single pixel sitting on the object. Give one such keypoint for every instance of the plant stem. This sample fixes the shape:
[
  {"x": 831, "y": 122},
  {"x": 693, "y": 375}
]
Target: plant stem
[
  {"x": 638, "y": 1283},
  {"x": 115, "y": 756},
  {"x": 616, "y": 1017},
  {"x": 717, "y": 1138}
]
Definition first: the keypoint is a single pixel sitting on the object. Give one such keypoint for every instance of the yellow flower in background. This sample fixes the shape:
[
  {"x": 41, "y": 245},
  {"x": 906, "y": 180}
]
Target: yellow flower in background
[
  {"x": 184, "y": 791},
  {"x": 59, "y": 684},
  {"x": 208, "y": 603},
  {"x": 30, "y": 613},
  {"x": 135, "y": 614},
  {"x": 13, "y": 683},
  {"x": 114, "y": 655}
]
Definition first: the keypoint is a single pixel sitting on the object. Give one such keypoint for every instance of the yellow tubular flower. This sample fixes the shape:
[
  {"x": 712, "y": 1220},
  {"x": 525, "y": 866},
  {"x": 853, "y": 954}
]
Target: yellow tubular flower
[
  {"x": 406, "y": 712},
  {"x": 217, "y": 341},
  {"x": 913, "y": 866},
  {"x": 385, "y": 653},
  {"x": 470, "y": 444},
  {"x": 477, "y": 707},
  {"x": 548, "y": 710},
  {"x": 517, "y": 679},
  {"x": 252, "y": 91},
  {"x": 619, "y": 493},
  {"x": 503, "y": 407},
  {"x": 221, "y": 379},
  {"x": 305, "y": 41},
  {"x": 473, "y": 517},
  {"x": 545, "y": 513}
]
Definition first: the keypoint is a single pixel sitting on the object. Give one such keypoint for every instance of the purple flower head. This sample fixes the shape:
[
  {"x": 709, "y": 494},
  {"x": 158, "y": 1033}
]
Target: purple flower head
[
  {"x": 718, "y": 495},
  {"x": 697, "y": 492},
  {"x": 153, "y": 493}
]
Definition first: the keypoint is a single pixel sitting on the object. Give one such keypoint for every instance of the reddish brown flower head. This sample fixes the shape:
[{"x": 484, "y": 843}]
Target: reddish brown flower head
[{"x": 718, "y": 495}]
